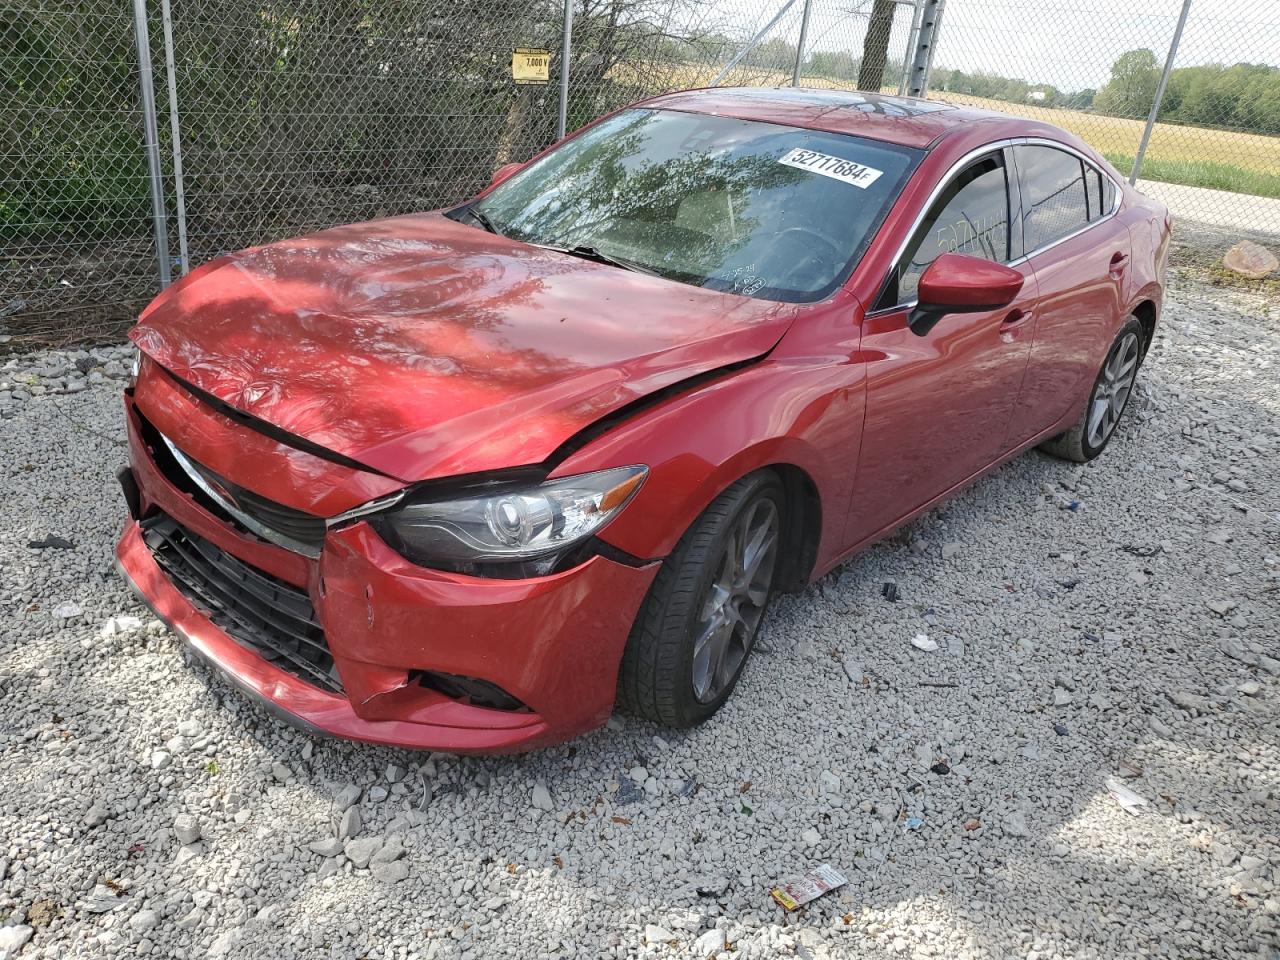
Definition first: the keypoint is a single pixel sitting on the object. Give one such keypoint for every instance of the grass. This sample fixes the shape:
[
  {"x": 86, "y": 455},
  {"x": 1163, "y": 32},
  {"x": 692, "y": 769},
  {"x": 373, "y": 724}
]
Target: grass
[
  {"x": 1220, "y": 276},
  {"x": 1202, "y": 173}
]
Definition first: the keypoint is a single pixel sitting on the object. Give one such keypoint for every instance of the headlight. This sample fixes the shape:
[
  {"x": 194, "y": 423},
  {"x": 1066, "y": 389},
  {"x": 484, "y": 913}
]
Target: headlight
[
  {"x": 512, "y": 524},
  {"x": 134, "y": 364}
]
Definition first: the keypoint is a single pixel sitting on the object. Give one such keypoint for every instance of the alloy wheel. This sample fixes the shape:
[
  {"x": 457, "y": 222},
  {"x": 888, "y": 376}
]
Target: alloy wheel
[
  {"x": 1112, "y": 390},
  {"x": 735, "y": 600}
]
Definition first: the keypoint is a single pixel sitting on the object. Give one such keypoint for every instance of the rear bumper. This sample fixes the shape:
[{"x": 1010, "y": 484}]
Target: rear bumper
[{"x": 554, "y": 642}]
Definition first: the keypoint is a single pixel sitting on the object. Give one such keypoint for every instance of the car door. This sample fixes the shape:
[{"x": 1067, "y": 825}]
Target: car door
[
  {"x": 938, "y": 406},
  {"x": 1079, "y": 251}
]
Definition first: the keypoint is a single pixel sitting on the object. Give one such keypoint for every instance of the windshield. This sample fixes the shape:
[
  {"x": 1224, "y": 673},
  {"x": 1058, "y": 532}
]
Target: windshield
[{"x": 758, "y": 209}]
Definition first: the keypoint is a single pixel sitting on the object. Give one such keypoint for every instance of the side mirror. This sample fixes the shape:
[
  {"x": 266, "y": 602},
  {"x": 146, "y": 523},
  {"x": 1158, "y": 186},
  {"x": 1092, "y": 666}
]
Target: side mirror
[
  {"x": 956, "y": 283},
  {"x": 505, "y": 172}
]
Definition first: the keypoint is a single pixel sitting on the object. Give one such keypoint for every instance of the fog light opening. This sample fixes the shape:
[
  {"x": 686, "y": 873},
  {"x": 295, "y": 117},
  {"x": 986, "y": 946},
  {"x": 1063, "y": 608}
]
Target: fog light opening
[{"x": 472, "y": 690}]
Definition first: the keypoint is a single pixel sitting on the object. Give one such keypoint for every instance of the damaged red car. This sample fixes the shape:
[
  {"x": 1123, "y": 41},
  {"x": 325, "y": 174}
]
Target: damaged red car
[{"x": 463, "y": 480}]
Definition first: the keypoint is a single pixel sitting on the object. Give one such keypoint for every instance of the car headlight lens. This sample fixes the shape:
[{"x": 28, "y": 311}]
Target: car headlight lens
[{"x": 511, "y": 524}]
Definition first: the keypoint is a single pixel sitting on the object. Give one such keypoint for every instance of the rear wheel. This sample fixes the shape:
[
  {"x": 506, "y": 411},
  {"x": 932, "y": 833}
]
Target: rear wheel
[
  {"x": 1107, "y": 400},
  {"x": 698, "y": 624}
]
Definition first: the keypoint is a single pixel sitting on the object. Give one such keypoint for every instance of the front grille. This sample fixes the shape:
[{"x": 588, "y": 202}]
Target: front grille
[
  {"x": 273, "y": 619},
  {"x": 251, "y": 512},
  {"x": 294, "y": 524}
]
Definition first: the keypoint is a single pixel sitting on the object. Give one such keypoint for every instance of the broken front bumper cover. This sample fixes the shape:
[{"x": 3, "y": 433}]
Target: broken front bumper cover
[
  {"x": 554, "y": 643},
  {"x": 457, "y": 727}
]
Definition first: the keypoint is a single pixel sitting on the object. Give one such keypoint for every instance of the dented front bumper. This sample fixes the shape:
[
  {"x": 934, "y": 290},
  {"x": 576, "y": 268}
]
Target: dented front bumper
[{"x": 553, "y": 643}]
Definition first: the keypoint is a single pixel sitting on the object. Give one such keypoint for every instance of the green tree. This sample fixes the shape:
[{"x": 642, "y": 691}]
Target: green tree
[
  {"x": 1132, "y": 87},
  {"x": 836, "y": 64}
]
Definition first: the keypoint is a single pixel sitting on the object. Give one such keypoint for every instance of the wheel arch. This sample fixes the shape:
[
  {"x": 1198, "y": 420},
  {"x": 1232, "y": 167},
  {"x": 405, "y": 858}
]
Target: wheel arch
[
  {"x": 803, "y": 526},
  {"x": 805, "y": 513},
  {"x": 1146, "y": 311}
]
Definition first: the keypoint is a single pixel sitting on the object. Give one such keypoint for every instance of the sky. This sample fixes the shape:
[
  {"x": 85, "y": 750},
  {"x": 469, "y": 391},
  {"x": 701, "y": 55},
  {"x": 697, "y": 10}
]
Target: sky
[{"x": 1069, "y": 43}]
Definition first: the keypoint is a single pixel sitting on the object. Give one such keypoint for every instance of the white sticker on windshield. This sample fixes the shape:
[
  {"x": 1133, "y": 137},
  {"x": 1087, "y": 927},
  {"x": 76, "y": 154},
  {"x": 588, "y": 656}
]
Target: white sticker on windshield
[{"x": 837, "y": 168}]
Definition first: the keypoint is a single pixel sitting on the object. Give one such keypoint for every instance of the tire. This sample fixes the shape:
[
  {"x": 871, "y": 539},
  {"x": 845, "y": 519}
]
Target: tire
[
  {"x": 1113, "y": 386},
  {"x": 667, "y": 673}
]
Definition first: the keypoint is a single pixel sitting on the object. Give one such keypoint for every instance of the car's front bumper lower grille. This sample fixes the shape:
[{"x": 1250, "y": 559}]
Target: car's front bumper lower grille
[
  {"x": 292, "y": 529},
  {"x": 273, "y": 619}
]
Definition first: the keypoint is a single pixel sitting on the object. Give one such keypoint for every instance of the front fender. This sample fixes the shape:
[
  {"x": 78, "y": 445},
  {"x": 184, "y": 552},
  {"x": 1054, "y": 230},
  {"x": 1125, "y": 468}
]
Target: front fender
[{"x": 805, "y": 412}]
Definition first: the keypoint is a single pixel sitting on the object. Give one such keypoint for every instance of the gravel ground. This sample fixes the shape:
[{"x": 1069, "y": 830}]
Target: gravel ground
[{"x": 1113, "y": 621}]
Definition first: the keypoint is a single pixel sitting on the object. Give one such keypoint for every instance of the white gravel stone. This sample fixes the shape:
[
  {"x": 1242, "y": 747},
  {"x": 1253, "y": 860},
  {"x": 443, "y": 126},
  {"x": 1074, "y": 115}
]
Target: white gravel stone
[
  {"x": 186, "y": 828},
  {"x": 328, "y": 847},
  {"x": 347, "y": 797},
  {"x": 351, "y": 823},
  {"x": 143, "y": 920},
  {"x": 541, "y": 797},
  {"x": 96, "y": 815},
  {"x": 225, "y": 942},
  {"x": 709, "y": 944},
  {"x": 657, "y": 934},
  {"x": 393, "y": 872},
  {"x": 361, "y": 850},
  {"x": 13, "y": 939}
]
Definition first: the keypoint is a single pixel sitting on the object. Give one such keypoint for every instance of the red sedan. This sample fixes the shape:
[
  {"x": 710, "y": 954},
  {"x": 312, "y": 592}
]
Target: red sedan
[{"x": 461, "y": 480}]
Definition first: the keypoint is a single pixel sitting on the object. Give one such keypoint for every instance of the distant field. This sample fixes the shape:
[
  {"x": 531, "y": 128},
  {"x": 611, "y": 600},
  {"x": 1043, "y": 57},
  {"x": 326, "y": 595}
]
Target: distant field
[
  {"x": 1194, "y": 156},
  {"x": 1169, "y": 142}
]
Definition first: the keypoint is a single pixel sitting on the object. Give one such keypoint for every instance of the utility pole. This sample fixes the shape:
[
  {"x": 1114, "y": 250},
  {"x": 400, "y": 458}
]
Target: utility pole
[{"x": 875, "y": 47}]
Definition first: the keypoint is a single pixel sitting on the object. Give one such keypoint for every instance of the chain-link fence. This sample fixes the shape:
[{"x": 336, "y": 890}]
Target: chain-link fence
[
  {"x": 76, "y": 248},
  {"x": 279, "y": 117}
]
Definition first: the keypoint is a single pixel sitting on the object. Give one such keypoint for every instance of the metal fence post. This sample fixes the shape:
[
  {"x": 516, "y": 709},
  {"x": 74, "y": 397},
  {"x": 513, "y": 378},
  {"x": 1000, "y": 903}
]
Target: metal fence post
[
  {"x": 1164, "y": 82},
  {"x": 151, "y": 137},
  {"x": 175, "y": 135},
  {"x": 917, "y": 84},
  {"x": 751, "y": 44},
  {"x": 917, "y": 8},
  {"x": 566, "y": 48},
  {"x": 804, "y": 36}
]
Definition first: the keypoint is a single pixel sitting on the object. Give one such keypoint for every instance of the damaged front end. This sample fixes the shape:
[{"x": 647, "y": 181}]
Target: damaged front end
[{"x": 331, "y": 625}]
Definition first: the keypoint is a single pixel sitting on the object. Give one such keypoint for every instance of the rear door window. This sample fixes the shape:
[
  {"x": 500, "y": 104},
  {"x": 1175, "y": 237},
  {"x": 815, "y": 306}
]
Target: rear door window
[{"x": 1055, "y": 201}]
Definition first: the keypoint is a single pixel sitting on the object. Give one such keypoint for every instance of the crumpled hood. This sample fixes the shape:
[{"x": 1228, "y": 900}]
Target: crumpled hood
[{"x": 424, "y": 348}]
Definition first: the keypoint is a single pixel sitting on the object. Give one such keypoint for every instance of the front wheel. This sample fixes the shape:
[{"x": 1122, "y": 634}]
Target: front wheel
[
  {"x": 1107, "y": 399},
  {"x": 697, "y": 626}
]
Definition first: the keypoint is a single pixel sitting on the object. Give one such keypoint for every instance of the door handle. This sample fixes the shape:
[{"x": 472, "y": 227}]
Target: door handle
[
  {"x": 1012, "y": 324},
  {"x": 1118, "y": 262},
  {"x": 1015, "y": 318}
]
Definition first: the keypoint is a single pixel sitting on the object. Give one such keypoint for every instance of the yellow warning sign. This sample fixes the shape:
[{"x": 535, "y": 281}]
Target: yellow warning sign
[{"x": 530, "y": 65}]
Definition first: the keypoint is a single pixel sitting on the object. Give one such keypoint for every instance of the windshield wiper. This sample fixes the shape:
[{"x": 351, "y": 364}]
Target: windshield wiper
[
  {"x": 482, "y": 218},
  {"x": 594, "y": 254}
]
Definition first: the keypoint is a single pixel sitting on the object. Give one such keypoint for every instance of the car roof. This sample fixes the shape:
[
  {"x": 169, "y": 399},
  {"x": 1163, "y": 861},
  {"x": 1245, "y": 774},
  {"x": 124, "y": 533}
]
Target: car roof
[{"x": 908, "y": 121}]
